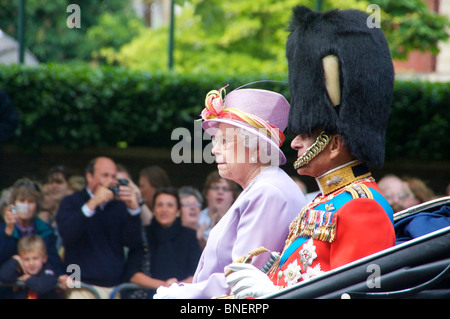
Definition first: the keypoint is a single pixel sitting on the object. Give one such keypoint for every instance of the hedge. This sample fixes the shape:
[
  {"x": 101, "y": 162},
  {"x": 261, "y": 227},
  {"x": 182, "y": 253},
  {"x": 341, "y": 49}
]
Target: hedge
[{"x": 79, "y": 106}]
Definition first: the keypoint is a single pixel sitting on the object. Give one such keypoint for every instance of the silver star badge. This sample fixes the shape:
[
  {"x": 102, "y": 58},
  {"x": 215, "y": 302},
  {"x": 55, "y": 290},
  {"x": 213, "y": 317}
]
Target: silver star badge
[{"x": 308, "y": 254}]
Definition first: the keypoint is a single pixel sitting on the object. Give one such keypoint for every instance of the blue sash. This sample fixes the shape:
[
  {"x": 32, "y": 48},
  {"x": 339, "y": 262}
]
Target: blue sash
[{"x": 337, "y": 203}]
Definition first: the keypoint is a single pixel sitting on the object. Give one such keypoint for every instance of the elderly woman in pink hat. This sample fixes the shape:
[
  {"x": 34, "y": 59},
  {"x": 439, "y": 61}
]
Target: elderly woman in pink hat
[{"x": 247, "y": 132}]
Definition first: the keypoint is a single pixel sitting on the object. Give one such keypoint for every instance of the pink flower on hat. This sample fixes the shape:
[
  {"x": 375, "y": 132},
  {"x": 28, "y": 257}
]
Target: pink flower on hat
[
  {"x": 213, "y": 104},
  {"x": 214, "y": 109}
]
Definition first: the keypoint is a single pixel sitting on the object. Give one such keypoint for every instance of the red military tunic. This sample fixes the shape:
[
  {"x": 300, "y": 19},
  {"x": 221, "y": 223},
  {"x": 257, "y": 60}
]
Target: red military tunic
[{"x": 349, "y": 220}]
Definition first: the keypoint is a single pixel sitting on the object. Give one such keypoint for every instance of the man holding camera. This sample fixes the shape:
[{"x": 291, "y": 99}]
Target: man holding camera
[{"x": 95, "y": 225}]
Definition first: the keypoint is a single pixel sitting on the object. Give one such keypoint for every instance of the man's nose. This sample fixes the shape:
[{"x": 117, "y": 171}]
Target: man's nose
[{"x": 296, "y": 143}]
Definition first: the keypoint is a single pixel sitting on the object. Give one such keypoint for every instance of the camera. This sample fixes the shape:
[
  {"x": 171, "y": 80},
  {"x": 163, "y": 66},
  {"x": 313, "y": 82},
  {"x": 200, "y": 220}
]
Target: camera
[
  {"x": 115, "y": 189},
  {"x": 20, "y": 208}
]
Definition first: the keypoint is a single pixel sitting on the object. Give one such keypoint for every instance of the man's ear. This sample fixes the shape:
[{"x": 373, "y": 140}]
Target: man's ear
[
  {"x": 336, "y": 146},
  {"x": 89, "y": 176}
]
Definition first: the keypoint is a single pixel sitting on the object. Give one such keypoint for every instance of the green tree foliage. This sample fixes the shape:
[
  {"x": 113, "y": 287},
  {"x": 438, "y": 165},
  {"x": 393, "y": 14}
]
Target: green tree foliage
[
  {"x": 244, "y": 36},
  {"x": 409, "y": 25},
  {"x": 49, "y": 38},
  {"x": 111, "y": 32},
  {"x": 218, "y": 36},
  {"x": 249, "y": 36},
  {"x": 209, "y": 38}
]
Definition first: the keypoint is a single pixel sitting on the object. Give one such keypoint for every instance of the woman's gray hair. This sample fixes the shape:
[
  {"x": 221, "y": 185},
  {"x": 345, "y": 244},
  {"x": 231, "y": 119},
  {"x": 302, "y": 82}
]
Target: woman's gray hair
[
  {"x": 267, "y": 154},
  {"x": 184, "y": 191}
]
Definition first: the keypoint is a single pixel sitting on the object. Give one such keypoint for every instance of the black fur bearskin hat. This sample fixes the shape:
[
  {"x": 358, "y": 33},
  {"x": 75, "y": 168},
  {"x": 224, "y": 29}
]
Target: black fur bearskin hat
[{"x": 341, "y": 79}]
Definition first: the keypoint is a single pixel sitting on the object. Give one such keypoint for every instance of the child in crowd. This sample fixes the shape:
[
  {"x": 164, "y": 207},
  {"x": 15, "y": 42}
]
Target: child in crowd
[{"x": 31, "y": 268}]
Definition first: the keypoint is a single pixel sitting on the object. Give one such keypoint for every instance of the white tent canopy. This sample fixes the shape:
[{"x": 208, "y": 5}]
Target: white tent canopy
[{"x": 9, "y": 51}]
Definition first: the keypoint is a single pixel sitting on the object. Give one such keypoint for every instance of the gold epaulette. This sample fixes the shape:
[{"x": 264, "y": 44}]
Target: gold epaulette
[{"x": 359, "y": 191}]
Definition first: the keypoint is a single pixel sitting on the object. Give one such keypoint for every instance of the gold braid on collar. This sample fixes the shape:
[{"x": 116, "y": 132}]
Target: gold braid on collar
[{"x": 342, "y": 177}]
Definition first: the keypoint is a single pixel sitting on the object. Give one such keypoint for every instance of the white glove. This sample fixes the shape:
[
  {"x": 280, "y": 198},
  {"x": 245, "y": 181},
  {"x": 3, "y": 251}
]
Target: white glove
[
  {"x": 168, "y": 292},
  {"x": 248, "y": 281}
]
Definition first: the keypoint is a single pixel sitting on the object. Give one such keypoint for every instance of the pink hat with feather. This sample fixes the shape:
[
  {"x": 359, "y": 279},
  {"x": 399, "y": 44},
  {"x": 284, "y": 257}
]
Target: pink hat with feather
[{"x": 261, "y": 112}]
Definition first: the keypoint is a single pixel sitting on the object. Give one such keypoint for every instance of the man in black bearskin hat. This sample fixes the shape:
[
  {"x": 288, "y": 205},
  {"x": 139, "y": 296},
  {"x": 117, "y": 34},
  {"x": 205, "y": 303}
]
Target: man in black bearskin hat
[{"x": 341, "y": 80}]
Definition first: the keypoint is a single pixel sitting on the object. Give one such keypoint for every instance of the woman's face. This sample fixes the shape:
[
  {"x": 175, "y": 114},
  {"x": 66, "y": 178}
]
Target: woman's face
[
  {"x": 397, "y": 193},
  {"x": 232, "y": 157},
  {"x": 59, "y": 187},
  {"x": 219, "y": 196},
  {"x": 190, "y": 210},
  {"x": 147, "y": 190},
  {"x": 165, "y": 209},
  {"x": 26, "y": 208}
]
